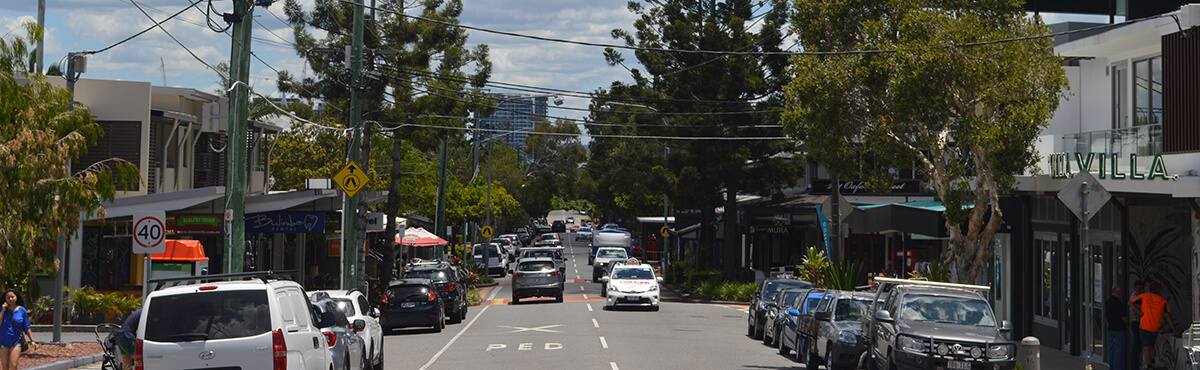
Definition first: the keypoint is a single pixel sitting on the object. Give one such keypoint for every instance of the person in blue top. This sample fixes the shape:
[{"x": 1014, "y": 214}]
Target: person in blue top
[{"x": 15, "y": 325}]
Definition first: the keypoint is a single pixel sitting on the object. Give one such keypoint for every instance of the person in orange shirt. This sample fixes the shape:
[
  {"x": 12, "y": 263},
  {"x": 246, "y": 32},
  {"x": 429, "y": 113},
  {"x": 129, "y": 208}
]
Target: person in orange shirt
[{"x": 1153, "y": 308}]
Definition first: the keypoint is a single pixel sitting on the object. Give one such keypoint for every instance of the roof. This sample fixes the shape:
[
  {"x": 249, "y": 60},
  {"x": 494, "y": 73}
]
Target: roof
[
  {"x": 410, "y": 281},
  {"x": 181, "y": 250}
]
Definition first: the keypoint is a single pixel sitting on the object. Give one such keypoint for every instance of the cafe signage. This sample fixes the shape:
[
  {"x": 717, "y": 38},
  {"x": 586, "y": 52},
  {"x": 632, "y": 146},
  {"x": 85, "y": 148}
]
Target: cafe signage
[{"x": 1109, "y": 166}]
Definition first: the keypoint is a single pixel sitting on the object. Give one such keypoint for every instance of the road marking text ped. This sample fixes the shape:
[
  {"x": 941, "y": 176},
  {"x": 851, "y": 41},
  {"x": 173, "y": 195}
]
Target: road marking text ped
[{"x": 524, "y": 346}]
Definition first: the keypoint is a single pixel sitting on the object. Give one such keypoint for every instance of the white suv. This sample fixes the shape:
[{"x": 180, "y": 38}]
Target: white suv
[
  {"x": 354, "y": 303},
  {"x": 254, "y": 324}
]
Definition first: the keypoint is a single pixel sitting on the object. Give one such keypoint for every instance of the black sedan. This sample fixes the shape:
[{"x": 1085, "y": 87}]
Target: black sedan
[
  {"x": 412, "y": 302},
  {"x": 765, "y": 293}
]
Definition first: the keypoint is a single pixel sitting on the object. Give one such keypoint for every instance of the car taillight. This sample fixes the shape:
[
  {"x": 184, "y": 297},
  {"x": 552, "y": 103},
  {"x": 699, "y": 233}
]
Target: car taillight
[
  {"x": 330, "y": 338},
  {"x": 384, "y": 299},
  {"x": 555, "y": 273},
  {"x": 432, "y": 296},
  {"x": 446, "y": 288},
  {"x": 280, "y": 348},
  {"x": 208, "y": 287},
  {"x": 137, "y": 356},
  {"x": 518, "y": 274}
]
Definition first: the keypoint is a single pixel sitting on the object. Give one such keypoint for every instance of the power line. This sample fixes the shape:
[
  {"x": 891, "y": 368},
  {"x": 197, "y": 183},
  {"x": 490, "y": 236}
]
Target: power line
[
  {"x": 156, "y": 24},
  {"x": 646, "y": 137}
]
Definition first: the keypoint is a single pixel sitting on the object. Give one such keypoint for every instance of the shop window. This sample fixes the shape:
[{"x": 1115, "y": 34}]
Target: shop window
[{"x": 1047, "y": 301}]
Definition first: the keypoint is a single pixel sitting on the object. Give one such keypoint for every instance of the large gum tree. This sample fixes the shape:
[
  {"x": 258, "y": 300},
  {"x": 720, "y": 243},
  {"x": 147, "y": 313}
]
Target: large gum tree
[{"x": 940, "y": 86}]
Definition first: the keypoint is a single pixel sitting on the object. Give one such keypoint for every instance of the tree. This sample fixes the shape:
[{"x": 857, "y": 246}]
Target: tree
[
  {"x": 552, "y": 157},
  {"x": 730, "y": 95},
  {"x": 40, "y": 129},
  {"x": 966, "y": 115}
]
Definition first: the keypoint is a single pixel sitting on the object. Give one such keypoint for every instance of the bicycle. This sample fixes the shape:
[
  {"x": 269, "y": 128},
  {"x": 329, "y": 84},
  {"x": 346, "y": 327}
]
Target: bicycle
[{"x": 112, "y": 358}]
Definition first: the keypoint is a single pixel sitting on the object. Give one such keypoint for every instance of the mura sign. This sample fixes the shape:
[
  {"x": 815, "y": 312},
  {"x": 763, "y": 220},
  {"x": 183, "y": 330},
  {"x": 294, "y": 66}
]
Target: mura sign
[{"x": 1108, "y": 166}]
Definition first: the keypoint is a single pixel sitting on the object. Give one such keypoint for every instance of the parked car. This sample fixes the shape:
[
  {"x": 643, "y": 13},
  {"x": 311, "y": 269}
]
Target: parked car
[
  {"x": 584, "y": 233},
  {"x": 346, "y": 347},
  {"x": 497, "y": 262},
  {"x": 604, "y": 256},
  {"x": 560, "y": 261},
  {"x": 412, "y": 302},
  {"x": 517, "y": 243},
  {"x": 558, "y": 226},
  {"x": 776, "y": 310},
  {"x": 923, "y": 325},
  {"x": 839, "y": 341},
  {"x": 548, "y": 240},
  {"x": 632, "y": 285},
  {"x": 355, "y": 305},
  {"x": 570, "y": 220},
  {"x": 795, "y": 332},
  {"x": 451, "y": 286},
  {"x": 537, "y": 277},
  {"x": 756, "y": 322},
  {"x": 210, "y": 324},
  {"x": 507, "y": 246}
]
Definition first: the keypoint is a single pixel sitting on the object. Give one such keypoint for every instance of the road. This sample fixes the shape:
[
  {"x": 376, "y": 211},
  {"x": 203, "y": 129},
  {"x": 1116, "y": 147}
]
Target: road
[{"x": 579, "y": 334}]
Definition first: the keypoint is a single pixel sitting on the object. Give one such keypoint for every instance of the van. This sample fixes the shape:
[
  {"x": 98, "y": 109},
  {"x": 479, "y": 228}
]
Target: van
[{"x": 264, "y": 323}]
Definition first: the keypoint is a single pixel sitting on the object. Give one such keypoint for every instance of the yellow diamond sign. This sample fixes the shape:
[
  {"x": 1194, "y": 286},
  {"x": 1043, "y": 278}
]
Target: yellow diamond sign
[{"x": 350, "y": 179}]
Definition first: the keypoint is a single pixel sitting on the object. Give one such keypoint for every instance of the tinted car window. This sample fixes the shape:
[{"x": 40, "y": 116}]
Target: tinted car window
[
  {"x": 408, "y": 292},
  {"x": 346, "y": 305},
  {"x": 773, "y": 287},
  {"x": 633, "y": 274},
  {"x": 542, "y": 253},
  {"x": 811, "y": 302},
  {"x": 789, "y": 295},
  {"x": 495, "y": 251},
  {"x": 208, "y": 316},
  {"x": 438, "y": 276},
  {"x": 850, "y": 309},
  {"x": 611, "y": 253},
  {"x": 536, "y": 266},
  {"x": 952, "y": 310}
]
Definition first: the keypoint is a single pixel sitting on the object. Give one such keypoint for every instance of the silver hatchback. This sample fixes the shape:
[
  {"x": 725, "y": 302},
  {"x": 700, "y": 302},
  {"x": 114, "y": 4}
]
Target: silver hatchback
[{"x": 537, "y": 277}]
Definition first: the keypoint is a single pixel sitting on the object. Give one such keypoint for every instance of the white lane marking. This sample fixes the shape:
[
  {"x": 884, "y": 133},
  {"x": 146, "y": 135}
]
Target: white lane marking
[
  {"x": 460, "y": 333},
  {"x": 546, "y": 329},
  {"x": 576, "y": 271},
  {"x": 581, "y": 287},
  {"x": 595, "y": 323},
  {"x": 585, "y": 296},
  {"x": 603, "y": 343},
  {"x": 614, "y": 365},
  {"x": 589, "y": 306}
]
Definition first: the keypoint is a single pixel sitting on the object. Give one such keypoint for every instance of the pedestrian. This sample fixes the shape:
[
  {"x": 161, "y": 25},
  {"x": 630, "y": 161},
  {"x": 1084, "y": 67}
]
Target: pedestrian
[
  {"x": 14, "y": 328},
  {"x": 1117, "y": 315},
  {"x": 127, "y": 337},
  {"x": 1154, "y": 308},
  {"x": 1135, "y": 321}
]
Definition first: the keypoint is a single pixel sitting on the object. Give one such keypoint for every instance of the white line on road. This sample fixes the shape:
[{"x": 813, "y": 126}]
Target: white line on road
[
  {"x": 576, "y": 271},
  {"x": 603, "y": 343},
  {"x": 614, "y": 365},
  {"x": 585, "y": 296},
  {"x": 589, "y": 307},
  {"x": 581, "y": 287},
  {"x": 595, "y": 323},
  {"x": 460, "y": 333}
]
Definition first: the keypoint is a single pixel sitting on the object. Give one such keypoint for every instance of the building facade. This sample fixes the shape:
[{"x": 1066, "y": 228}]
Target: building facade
[{"x": 515, "y": 116}]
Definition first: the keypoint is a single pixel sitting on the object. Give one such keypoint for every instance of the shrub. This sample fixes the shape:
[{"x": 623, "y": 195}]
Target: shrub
[
  {"x": 709, "y": 289},
  {"x": 697, "y": 278},
  {"x": 473, "y": 298},
  {"x": 736, "y": 291}
]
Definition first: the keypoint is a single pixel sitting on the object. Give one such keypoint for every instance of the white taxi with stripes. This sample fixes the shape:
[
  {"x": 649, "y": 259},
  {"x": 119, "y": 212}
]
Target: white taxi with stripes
[{"x": 632, "y": 284}]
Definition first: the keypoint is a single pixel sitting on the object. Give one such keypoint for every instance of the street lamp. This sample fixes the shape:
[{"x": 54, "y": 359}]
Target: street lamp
[{"x": 666, "y": 151}]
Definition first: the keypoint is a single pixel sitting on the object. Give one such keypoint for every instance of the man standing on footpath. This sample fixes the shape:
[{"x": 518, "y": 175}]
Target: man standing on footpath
[
  {"x": 1117, "y": 315},
  {"x": 1154, "y": 309}
]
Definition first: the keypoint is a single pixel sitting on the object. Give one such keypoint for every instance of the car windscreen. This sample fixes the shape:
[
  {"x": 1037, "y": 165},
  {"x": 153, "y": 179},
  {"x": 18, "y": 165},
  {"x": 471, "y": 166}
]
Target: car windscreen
[
  {"x": 947, "y": 310},
  {"x": 408, "y": 293},
  {"x": 633, "y": 274},
  {"x": 208, "y": 316},
  {"x": 789, "y": 295},
  {"x": 850, "y": 309},
  {"x": 346, "y": 305},
  {"x": 536, "y": 266},
  {"x": 811, "y": 302},
  {"x": 611, "y": 253},
  {"x": 495, "y": 251},
  {"x": 533, "y": 254},
  {"x": 438, "y": 276},
  {"x": 773, "y": 287},
  {"x": 585, "y": 230}
]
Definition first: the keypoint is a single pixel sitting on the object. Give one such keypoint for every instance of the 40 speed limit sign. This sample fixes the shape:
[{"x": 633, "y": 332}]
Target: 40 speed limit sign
[{"x": 149, "y": 232}]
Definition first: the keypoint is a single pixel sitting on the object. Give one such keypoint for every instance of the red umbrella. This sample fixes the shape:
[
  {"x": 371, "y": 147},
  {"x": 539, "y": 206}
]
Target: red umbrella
[{"x": 418, "y": 237}]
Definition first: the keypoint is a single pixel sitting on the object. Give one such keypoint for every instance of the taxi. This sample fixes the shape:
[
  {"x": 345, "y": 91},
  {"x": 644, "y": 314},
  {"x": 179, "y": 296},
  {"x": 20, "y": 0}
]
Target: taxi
[{"x": 632, "y": 284}]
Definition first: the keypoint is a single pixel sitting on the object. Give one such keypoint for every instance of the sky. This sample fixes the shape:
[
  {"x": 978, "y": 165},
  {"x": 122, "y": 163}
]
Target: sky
[{"x": 78, "y": 25}]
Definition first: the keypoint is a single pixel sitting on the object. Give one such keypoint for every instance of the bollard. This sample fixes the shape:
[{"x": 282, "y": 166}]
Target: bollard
[{"x": 1030, "y": 355}]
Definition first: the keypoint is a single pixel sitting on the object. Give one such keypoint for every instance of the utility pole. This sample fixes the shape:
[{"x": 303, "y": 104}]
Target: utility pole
[
  {"x": 440, "y": 217},
  {"x": 239, "y": 111},
  {"x": 76, "y": 64},
  {"x": 350, "y": 238},
  {"x": 41, "y": 47}
]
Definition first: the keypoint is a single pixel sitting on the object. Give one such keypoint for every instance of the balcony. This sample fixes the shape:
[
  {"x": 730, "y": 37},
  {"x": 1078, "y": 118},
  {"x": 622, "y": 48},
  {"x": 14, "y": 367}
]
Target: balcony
[{"x": 1145, "y": 141}]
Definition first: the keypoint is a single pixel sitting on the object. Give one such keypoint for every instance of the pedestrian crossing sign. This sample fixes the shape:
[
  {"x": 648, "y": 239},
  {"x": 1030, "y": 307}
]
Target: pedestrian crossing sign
[{"x": 351, "y": 179}]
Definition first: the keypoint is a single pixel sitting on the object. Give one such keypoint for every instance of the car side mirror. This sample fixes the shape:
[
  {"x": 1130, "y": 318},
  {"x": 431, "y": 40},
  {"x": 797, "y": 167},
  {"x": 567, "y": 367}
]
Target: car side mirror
[
  {"x": 793, "y": 312},
  {"x": 883, "y": 316},
  {"x": 375, "y": 312},
  {"x": 604, "y": 279},
  {"x": 659, "y": 278},
  {"x": 359, "y": 324},
  {"x": 822, "y": 316},
  {"x": 1006, "y": 326}
]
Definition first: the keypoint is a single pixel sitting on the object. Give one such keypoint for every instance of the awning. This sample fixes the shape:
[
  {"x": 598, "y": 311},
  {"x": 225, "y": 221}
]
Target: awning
[
  {"x": 283, "y": 201},
  {"x": 166, "y": 202},
  {"x": 924, "y": 217},
  {"x": 655, "y": 219}
]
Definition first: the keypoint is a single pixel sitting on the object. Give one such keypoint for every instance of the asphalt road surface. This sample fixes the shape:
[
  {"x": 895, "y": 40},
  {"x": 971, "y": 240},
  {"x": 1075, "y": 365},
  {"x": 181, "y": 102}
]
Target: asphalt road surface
[{"x": 578, "y": 333}]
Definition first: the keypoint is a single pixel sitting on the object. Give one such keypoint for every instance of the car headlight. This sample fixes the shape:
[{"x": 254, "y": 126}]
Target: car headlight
[
  {"x": 653, "y": 288},
  {"x": 612, "y": 288},
  {"x": 999, "y": 351},
  {"x": 976, "y": 352},
  {"x": 942, "y": 349},
  {"x": 848, "y": 337},
  {"x": 913, "y": 344}
]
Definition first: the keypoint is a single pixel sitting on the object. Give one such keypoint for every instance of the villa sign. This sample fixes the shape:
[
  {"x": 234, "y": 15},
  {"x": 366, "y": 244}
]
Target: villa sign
[{"x": 1108, "y": 165}]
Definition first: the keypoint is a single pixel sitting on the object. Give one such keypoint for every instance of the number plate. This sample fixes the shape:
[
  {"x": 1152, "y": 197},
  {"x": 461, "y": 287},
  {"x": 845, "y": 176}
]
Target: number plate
[
  {"x": 408, "y": 304},
  {"x": 958, "y": 365}
]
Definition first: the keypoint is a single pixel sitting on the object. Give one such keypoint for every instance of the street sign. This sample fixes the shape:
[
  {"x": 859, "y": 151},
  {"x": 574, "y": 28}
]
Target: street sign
[
  {"x": 350, "y": 179},
  {"x": 1072, "y": 195},
  {"x": 486, "y": 231},
  {"x": 665, "y": 231},
  {"x": 149, "y": 232},
  {"x": 844, "y": 207}
]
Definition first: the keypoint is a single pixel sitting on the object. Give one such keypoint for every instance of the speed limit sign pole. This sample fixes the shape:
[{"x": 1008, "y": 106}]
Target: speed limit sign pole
[{"x": 149, "y": 237}]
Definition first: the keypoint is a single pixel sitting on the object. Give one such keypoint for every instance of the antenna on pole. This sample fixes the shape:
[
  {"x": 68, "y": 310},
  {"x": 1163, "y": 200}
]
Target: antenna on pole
[{"x": 163, "y": 65}]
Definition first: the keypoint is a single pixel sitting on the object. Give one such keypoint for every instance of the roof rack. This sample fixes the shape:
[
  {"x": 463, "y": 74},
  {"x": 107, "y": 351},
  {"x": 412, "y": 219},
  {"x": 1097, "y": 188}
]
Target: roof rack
[
  {"x": 895, "y": 281},
  {"x": 186, "y": 280}
]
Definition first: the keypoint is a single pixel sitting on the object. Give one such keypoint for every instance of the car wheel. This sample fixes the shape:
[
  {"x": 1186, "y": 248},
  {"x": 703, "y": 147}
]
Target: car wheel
[
  {"x": 814, "y": 360},
  {"x": 456, "y": 317},
  {"x": 758, "y": 331},
  {"x": 379, "y": 361},
  {"x": 766, "y": 338},
  {"x": 799, "y": 353},
  {"x": 749, "y": 329},
  {"x": 558, "y": 298},
  {"x": 441, "y": 323},
  {"x": 783, "y": 349},
  {"x": 829, "y": 358},
  {"x": 516, "y": 299},
  {"x": 892, "y": 361},
  {"x": 654, "y": 308}
]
